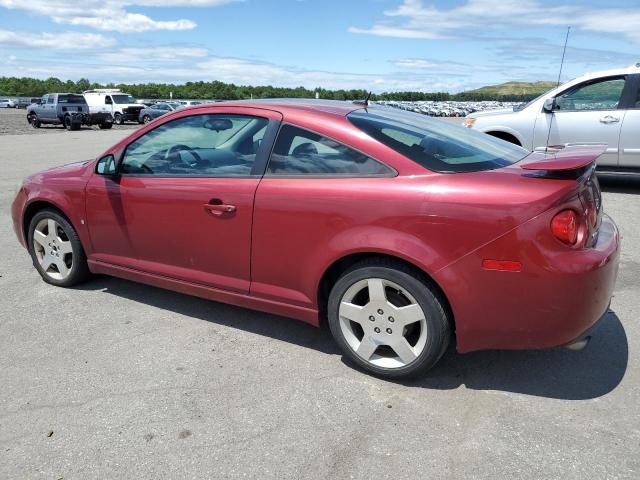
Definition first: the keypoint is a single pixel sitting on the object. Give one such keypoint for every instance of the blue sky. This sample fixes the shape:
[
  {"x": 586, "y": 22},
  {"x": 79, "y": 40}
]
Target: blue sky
[{"x": 381, "y": 45}]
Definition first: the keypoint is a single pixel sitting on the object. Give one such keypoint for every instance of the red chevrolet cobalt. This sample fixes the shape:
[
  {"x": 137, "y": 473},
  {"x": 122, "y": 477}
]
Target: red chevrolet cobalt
[{"x": 402, "y": 231}]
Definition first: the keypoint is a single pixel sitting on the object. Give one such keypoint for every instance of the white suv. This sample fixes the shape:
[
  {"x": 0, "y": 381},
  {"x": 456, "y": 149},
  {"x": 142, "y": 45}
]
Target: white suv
[{"x": 602, "y": 107}]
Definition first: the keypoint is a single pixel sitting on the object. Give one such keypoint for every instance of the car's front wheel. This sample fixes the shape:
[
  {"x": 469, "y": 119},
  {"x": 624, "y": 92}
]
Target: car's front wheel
[
  {"x": 146, "y": 119},
  {"x": 33, "y": 120},
  {"x": 56, "y": 250},
  {"x": 387, "y": 319},
  {"x": 117, "y": 119}
]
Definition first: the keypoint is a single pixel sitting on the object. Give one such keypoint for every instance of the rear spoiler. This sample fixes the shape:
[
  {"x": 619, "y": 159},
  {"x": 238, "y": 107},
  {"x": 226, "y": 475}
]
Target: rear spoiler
[{"x": 569, "y": 161}]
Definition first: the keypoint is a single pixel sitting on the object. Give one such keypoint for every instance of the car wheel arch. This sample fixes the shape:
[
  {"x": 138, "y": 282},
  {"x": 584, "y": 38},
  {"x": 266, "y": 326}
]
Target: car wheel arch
[
  {"x": 36, "y": 206},
  {"x": 333, "y": 272},
  {"x": 507, "y": 136}
]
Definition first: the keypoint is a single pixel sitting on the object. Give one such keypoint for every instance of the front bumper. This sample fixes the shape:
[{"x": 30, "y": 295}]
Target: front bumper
[
  {"x": 17, "y": 209},
  {"x": 559, "y": 294}
]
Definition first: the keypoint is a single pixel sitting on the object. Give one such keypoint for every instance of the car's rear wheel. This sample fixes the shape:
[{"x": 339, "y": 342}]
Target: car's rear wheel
[
  {"x": 33, "y": 120},
  {"x": 56, "y": 250},
  {"x": 105, "y": 126},
  {"x": 388, "y": 320}
]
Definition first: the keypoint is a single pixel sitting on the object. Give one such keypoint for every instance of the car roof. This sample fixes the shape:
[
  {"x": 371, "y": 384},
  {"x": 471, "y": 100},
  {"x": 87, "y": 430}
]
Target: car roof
[
  {"x": 607, "y": 73},
  {"x": 332, "y": 107}
]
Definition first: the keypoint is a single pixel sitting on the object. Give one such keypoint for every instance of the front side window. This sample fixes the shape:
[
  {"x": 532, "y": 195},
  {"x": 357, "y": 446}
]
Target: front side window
[
  {"x": 596, "y": 95},
  {"x": 436, "y": 145},
  {"x": 122, "y": 99},
  {"x": 50, "y": 99},
  {"x": 107, "y": 100},
  {"x": 301, "y": 152},
  {"x": 199, "y": 145}
]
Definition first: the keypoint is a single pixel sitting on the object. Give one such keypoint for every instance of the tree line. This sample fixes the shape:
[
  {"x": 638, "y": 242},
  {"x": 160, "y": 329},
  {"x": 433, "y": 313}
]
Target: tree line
[{"x": 33, "y": 87}]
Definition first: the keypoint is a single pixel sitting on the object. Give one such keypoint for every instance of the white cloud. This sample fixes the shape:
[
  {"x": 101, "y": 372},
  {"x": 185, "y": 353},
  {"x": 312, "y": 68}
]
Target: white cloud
[
  {"x": 132, "y": 67},
  {"x": 109, "y": 15},
  {"x": 58, "y": 41},
  {"x": 428, "y": 21},
  {"x": 160, "y": 53}
]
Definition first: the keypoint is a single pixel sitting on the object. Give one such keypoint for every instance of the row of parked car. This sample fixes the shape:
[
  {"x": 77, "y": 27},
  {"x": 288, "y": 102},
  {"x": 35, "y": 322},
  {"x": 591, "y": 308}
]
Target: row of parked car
[{"x": 102, "y": 107}]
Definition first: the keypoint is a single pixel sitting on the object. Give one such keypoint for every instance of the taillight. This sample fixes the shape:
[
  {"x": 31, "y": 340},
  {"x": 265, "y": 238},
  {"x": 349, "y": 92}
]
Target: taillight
[{"x": 564, "y": 227}]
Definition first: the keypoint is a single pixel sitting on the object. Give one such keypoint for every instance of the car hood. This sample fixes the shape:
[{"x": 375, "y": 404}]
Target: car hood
[
  {"x": 490, "y": 113},
  {"x": 70, "y": 170}
]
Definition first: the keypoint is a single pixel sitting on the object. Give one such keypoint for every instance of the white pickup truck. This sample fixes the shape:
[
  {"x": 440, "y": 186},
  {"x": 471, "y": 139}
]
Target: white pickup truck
[{"x": 602, "y": 107}]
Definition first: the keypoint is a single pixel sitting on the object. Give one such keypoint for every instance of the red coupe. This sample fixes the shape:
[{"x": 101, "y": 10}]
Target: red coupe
[{"x": 400, "y": 230}]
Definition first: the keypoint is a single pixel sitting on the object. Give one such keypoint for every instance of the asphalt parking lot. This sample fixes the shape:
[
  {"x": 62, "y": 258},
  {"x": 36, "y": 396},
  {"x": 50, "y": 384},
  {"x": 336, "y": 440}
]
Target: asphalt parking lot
[{"x": 120, "y": 380}]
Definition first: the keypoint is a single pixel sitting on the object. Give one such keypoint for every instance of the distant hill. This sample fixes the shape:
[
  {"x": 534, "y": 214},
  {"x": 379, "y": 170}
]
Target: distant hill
[{"x": 513, "y": 88}]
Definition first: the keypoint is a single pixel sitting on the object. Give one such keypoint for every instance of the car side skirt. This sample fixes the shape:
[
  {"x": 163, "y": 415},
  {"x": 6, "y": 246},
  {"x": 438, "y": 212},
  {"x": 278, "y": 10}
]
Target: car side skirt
[{"x": 307, "y": 315}]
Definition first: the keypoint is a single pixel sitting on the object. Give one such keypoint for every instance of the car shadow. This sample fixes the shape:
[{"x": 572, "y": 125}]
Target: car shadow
[
  {"x": 557, "y": 373},
  {"x": 619, "y": 184}
]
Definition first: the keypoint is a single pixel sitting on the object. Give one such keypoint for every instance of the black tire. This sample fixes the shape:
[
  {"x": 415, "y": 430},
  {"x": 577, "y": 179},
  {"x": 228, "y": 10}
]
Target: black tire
[
  {"x": 439, "y": 324},
  {"x": 33, "y": 120},
  {"x": 79, "y": 269},
  {"x": 105, "y": 126},
  {"x": 67, "y": 123},
  {"x": 117, "y": 119},
  {"x": 146, "y": 119}
]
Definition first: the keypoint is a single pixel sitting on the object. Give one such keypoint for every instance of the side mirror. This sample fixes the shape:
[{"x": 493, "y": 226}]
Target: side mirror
[
  {"x": 107, "y": 166},
  {"x": 549, "y": 105}
]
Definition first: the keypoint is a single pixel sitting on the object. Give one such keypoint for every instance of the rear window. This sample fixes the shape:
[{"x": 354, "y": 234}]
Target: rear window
[
  {"x": 435, "y": 144},
  {"x": 71, "y": 99}
]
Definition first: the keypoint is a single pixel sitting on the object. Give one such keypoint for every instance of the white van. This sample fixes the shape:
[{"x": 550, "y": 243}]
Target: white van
[{"x": 121, "y": 106}]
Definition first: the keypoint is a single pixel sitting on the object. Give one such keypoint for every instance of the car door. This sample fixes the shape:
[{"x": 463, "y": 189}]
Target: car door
[
  {"x": 630, "y": 131},
  {"x": 38, "y": 108},
  {"x": 182, "y": 203},
  {"x": 309, "y": 192},
  {"x": 589, "y": 112},
  {"x": 50, "y": 109},
  {"x": 41, "y": 108},
  {"x": 108, "y": 104}
]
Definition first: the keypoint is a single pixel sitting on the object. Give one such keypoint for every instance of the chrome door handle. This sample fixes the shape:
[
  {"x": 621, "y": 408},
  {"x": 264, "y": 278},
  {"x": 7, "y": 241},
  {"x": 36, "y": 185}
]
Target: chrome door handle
[
  {"x": 219, "y": 209},
  {"x": 609, "y": 119}
]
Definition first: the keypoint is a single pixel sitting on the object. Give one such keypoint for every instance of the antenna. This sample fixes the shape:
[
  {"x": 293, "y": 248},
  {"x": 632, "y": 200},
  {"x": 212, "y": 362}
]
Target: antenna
[
  {"x": 564, "y": 51},
  {"x": 364, "y": 102}
]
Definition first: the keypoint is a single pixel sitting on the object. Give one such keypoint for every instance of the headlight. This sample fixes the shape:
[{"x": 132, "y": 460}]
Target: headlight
[{"x": 469, "y": 121}]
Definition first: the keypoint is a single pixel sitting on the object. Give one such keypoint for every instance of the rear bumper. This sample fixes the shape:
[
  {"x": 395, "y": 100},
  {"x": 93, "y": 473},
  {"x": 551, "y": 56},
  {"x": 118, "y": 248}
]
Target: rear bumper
[{"x": 557, "y": 297}]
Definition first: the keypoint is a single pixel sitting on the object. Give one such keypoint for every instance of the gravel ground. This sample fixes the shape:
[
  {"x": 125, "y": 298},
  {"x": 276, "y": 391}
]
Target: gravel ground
[
  {"x": 121, "y": 380},
  {"x": 13, "y": 121}
]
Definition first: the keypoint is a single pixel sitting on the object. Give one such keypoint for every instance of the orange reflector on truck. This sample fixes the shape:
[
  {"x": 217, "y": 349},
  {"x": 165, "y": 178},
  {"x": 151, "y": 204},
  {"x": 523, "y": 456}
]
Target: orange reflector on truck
[{"x": 502, "y": 265}]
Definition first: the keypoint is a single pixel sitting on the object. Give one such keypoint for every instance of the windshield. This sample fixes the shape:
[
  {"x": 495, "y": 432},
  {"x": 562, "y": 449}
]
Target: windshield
[
  {"x": 435, "y": 144},
  {"x": 522, "y": 106},
  {"x": 123, "y": 99},
  {"x": 71, "y": 99}
]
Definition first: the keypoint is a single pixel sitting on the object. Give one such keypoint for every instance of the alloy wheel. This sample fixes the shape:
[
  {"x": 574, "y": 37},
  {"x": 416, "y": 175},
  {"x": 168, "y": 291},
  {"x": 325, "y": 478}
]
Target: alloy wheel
[
  {"x": 382, "y": 323},
  {"x": 53, "y": 249}
]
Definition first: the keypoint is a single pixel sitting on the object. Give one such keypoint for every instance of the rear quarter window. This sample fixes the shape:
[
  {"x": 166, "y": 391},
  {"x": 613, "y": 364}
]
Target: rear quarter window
[
  {"x": 435, "y": 144},
  {"x": 301, "y": 152}
]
